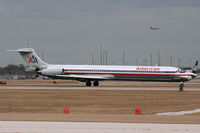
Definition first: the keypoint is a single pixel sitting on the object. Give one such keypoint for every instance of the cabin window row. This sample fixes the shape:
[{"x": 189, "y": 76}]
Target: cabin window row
[{"x": 130, "y": 71}]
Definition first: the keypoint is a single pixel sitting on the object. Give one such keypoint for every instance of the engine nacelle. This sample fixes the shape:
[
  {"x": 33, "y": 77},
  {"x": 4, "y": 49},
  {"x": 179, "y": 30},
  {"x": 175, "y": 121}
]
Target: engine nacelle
[
  {"x": 29, "y": 69},
  {"x": 52, "y": 71}
]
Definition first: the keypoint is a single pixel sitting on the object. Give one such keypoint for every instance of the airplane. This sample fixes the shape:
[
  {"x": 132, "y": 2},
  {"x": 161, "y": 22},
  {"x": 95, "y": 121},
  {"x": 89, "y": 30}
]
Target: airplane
[
  {"x": 154, "y": 28},
  {"x": 96, "y": 73}
]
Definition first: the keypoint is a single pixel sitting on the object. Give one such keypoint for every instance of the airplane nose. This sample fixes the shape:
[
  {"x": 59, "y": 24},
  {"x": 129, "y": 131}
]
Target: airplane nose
[
  {"x": 193, "y": 75},
  {"x": 186, "y": 78},
  {"x": 189, "y": 77}
]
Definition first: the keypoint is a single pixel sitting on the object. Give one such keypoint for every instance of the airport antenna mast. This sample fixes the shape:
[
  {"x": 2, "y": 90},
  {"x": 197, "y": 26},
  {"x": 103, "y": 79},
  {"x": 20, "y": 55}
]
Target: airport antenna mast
[
  {"x": 28, "y": 45},
  {"x": 101, "y": 50},
  {"x": 158, "y": 58},
  {"x": 123, "y": 57},
  {"x": 171, "y": 59}
]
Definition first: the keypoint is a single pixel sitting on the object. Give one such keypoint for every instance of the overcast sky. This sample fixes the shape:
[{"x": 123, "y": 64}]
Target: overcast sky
[{"x": 71, "y": 31}]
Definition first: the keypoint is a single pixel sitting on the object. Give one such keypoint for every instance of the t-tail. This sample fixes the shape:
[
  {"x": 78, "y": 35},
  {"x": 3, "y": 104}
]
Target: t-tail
[{"x": 32, "y": 60}]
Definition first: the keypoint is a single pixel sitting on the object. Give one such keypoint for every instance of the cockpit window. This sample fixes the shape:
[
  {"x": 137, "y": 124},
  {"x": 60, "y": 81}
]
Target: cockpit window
[{"x": 180, "y": 70}]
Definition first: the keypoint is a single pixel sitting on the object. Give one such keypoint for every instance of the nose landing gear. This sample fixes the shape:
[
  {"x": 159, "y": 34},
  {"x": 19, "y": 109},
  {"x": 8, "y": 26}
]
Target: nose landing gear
[{"x": 181, "y": 85}]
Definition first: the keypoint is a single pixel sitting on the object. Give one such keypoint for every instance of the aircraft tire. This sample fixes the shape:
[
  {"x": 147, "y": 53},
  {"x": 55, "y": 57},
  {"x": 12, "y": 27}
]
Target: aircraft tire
[
  {"x": 96, "y": 83},
  {"x": 88, "y": 83}
]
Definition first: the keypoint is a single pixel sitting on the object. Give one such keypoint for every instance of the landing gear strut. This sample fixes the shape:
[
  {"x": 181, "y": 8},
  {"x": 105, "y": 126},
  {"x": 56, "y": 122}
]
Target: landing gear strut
[{"x": 181, "y": 85}]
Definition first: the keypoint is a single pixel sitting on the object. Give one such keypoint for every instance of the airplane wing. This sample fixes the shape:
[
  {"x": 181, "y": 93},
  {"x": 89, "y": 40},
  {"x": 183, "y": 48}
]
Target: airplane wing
[{"x": 86, "y": 77}]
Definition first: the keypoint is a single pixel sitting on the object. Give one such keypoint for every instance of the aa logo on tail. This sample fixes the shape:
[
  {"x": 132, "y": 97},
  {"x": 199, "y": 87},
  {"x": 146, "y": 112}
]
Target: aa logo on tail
[{"x": 33, "y": 59}]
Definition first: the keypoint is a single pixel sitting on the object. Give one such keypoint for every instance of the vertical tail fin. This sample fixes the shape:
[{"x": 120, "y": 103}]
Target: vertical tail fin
[
  {"x": 194, "y": 70},
  {"x": 31, "y": 58}
]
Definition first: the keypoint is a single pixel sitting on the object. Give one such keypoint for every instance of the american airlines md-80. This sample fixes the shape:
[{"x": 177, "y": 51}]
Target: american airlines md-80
[{"x": 96, "y": 73}]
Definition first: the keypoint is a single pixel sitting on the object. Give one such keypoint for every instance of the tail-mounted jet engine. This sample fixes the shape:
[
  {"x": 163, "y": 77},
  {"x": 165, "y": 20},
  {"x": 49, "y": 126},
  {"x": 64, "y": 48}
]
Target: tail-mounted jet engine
[{"x": 52, "y": 71}]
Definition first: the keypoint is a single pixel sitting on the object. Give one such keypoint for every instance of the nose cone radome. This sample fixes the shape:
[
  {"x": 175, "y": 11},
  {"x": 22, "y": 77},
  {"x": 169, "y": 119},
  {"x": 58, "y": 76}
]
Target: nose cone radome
[{"x": 193, "y": 75}]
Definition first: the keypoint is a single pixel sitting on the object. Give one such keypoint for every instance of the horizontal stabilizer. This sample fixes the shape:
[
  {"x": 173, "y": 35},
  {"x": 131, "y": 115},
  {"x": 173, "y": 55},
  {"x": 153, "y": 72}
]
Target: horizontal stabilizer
[
  {"x": 24, "y": 50},
  {"x": 31, "y": 58}
]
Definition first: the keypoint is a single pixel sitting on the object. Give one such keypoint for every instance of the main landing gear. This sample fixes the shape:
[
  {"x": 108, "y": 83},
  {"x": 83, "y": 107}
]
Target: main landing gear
[
  {"x": 88, "y": 83},
  {"x": 181, "y": 85},
  {"x": 95, "y": 83}
]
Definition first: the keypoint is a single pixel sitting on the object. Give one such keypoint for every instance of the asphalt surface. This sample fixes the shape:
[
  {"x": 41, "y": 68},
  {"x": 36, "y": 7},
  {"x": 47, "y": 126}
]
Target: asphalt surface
[
  {"x": 104, "y": 85},
  {"x": 188, "y": 88},
  {"x": 94, "y": 127},
  {"x": 11, "y": 124}
]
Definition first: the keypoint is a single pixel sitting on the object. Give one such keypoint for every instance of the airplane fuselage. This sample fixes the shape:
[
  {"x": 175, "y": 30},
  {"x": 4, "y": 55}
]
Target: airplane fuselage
[
  {"x": 112, "y": 72},
  {"x": 95, "y": 73}
]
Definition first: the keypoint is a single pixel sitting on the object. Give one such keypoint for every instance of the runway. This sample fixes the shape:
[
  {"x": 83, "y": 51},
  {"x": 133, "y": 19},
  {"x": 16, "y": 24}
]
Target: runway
[
  {"x": 97, "y": 88},
  {"x": 94, "y": 127},
  {"x": 107, "y": 108},
  {"x": 105, "y": 85}
]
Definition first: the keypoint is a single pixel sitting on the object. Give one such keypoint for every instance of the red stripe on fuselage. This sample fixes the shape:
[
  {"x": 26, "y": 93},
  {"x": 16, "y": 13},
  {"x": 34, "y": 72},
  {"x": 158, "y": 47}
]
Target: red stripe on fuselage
[{"x": 143, "y": 74}]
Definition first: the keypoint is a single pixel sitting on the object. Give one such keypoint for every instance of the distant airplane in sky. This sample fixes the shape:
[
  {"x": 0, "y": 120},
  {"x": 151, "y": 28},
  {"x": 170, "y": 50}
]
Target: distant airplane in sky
[
  {"x": 96, "y": 73},
  {"x": 154, "y": 28}
]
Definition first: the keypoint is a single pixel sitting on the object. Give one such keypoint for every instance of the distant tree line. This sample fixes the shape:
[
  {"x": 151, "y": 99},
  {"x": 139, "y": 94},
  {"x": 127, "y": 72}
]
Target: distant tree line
[{"x": 12, "y": 69}]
